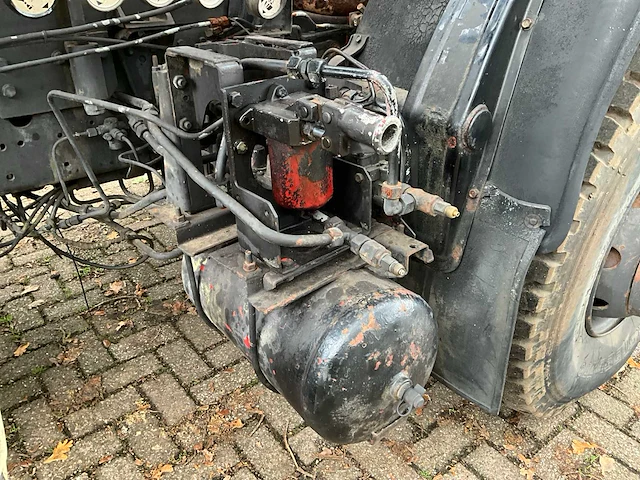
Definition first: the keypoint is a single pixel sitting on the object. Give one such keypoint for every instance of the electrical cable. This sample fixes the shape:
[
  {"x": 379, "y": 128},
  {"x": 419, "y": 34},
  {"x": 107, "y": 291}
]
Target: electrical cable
[{"x": 47, "y": 34}]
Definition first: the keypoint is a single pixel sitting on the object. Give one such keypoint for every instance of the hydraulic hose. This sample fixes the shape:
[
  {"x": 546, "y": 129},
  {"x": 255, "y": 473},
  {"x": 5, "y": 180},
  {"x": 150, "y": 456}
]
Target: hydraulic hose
[
  {"x": 110, "y": 22},
  {"x": 164, "y": 146}
]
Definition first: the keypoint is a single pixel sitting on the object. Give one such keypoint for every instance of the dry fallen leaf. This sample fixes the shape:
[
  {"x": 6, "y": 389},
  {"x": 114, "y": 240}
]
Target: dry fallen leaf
[
  {"x": 60, "y": 451},
  {"x": 237, "y": 423},
  {"x": 105, "y": 459},
  {"x": 157, "y": 472},
  {"x": 124, "y": 323},
  {"x": 21, "y": 349},
  {"x": 633, "y": 363},
  {"x": 527, "y": 473},
  {"x": 106, "y": 343},
  {"x": 35, "y": 304},
  {"x": 636, "y": 408},
  {"x": 579, "y": 446},
  {"x": 30, "y": 289},
  {"x": 139, "y": 290},
  {"x": 99, "y": 313},
  {"x": 114, "y": 288},
  {"x": 112, "y": 235},
  {"x": 607, "y": 464}
]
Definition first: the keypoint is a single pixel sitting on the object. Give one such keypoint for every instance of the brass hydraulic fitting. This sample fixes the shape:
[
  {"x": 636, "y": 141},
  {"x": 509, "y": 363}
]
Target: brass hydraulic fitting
[{"x": 432, "y": 204}]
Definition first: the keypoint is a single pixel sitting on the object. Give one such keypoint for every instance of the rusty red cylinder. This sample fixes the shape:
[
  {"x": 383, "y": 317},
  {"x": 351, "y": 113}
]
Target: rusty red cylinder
[{"x": 301, "y": 176}]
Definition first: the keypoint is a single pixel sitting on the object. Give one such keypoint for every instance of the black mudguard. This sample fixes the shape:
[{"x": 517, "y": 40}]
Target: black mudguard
[{"x": 547, "y": 87}]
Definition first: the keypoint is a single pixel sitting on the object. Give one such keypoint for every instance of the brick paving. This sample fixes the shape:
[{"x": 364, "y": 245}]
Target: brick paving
[{"x": 147, "y": 390}]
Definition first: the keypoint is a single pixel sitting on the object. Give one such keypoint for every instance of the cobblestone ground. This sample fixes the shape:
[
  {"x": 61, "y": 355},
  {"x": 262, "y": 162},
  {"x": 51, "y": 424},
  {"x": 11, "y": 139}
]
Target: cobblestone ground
[{"x": 145, "y": 389}]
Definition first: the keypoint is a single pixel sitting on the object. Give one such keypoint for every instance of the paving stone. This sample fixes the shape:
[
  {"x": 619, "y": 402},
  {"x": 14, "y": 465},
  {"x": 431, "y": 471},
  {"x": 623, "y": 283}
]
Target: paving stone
[
  {"x": 608, "y": 407},
  {"x": 306, "y": 445},
  {"x": 213, "y": 389},
  {"x": 10, "y": 292},
  {"x": 108, "y": 326},
  {"x": 84, "y": 454},
  {"x": 628, "y": 389},
  {"x": 48, "y": 289},
  {"x": 169, "y": 290},
  {"x": 38, "y": 257},
  {"x": 120, "y": 468},
  {"x": 172, "y": 270},
  {"x": 401, "y": 432},
  {"x": 223, "y": 355},
  {"x": 20, "y": 275},
  {"x": 55, "y": 331},
  {"x": 62, "y": 382},
  {"x": 94, "y": 357},
  {"x": 28, "y": 364},
  {"x": 612, "y": 440},
  {"x": 70, "y": 307},
  {"x": 5, "y": 264},
  {"x": 37, "y": 427},
  {"x": 164, "y": 235},
  {"x": 142, "y": 341},
  {"x": 337, "y": 470},
  {"x": 438, "y": 449},
  {"x": 201, "y": 467},
  {"x": 556, "y": 461},
  {"x": 499, "y": 432},
  {"x": 491, "y": 464},
  {"x": 169, "y": 398},
  {"x": 149, "y": 441},
  {"x": 144, "y": 275},
  {"x": 543, "y": 427},
  {"x": 184, "y": 361},
  {"x": 441, "y": 400},
  {"x": 244, "y": 474},
  {"x": 266, "y": 454},
  {"x": 88, "y": 419},
  {"x": 278, "y": 411},
  {"x": 635, "y": 429},
  {"x": 460, "y": 472},
  {"x": 129, "y": 372},
  {"x": 23, "y": 317},
  {"x": 8, "y": 345},
  {"x": 18, "y": 392},
  {"x": 73, "y": 288},
  {"x": 381, "y": 463},
  {"x": 202, "y": 335}
]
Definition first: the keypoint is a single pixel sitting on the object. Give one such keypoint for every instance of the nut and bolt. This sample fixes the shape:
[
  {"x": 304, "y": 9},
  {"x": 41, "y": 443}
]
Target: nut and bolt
[
  {"x": 473, "y": 193},
  {"x": 532, "y": 220},
  {"x": 304, "y": 111},
  {"x": 358, "y": 177},
  {"x": 180, "y": 82},
  {"x": 452, "y": 142},
  {"x": 185, "y": 124},
  {"x": 235, "y": 99},
  {"x": 526, "y": 23},
  {"x": 327, "y": 117},
  {"x": 241, "y": 147},
  {"x": 249, "y": 264},
  {"x": 8, "y": 90},
  {"x": 280, "y": 92},
  {"x": 326, "y": 142}
]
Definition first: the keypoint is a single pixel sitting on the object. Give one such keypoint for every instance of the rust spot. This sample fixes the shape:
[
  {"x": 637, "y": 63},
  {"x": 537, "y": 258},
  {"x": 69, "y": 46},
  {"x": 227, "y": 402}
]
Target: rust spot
[
  {"x": 414, "y": 350},
  {"x": 456, "y": 254},
  {"x": 389, "y": 360},
  {"x": 452, "y": 142},
  {"x": 345, "y": 331},
  {"x": 636, "y": 202},
  {"x": 241, "y": 311},
  {"x": 403, "y": 307},
  {"x": 246, "y": 341},
  {"x": 377, "y": 365},
  {"x": 372, "y": 324},
  {"x": 226, "y": 325},
  {"x": 471, "y": 205},
  {"x": 271, "y": 360},
  {"x": 636, "y": 277},
  {"x": 202, "y": 268},
  {"x": 404, "y": 360},
  {"x": 220, "y": 22},
  {"x": 357, "y": 339}
]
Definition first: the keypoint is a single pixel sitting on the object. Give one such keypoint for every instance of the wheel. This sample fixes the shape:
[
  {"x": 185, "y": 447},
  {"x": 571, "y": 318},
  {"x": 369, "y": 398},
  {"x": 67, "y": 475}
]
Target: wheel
[{"x": 575, "y": 327}]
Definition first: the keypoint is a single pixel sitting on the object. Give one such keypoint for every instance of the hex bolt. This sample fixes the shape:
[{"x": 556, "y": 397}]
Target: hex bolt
[
  {"x": 327, "y": 117},
  {"x": 185, "y": 124},
  {"x": 358, "y": 177},
  {"x": 326, "y": 142},
  {"x": 280, "y": 92},
  {"x": 473, "y": 193},
  {"x": 452, "y": 142},
  {"x": 241, "y": 147},
  {"x": 526, "y": 23},
  {"x": 532, "y": 220},
  {"x": 180, "y": 82},
  {"x": 8, "y": 90},
  {"x": 235, "y": 99},
  {"x": 304, "y": 111},
  {"x": 249, "y": 264}
]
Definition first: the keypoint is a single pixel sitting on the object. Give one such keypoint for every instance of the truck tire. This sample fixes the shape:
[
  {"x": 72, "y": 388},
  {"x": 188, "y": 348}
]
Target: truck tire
[{"x": 554, "y": 359}]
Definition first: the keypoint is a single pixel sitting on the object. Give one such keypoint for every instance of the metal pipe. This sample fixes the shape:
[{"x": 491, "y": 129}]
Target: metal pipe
[
  {"x": 221, "y": 160},
  {"x": 143, "y": 203},
  {"x": 167, "y": 147},
  {"x": 49, "y": 34}
]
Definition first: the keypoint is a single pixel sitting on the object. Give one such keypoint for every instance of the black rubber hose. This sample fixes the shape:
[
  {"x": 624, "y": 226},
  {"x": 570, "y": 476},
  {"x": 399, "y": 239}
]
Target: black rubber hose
[
  {"x": 268, "y": 64},
  {"x": 168, "y": 148},
  {"x": 48, "y": 34}
]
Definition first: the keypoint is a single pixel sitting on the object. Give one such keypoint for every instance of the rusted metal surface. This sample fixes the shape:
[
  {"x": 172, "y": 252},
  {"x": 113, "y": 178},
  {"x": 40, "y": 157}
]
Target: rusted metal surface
[
  {"x": 329, "y": 7},
  {"x": 302, "y": 176}
]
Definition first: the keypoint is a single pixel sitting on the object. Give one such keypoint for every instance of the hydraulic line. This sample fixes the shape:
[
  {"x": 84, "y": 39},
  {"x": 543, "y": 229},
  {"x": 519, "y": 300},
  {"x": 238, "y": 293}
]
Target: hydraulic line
[
  {"x": 110, "y": 22},
  {"x": 101, "y": 50},
  {"x": 221, "y": 160},
  {"x": 168, "y": 148},
  {"x": 123, "y": 109}
]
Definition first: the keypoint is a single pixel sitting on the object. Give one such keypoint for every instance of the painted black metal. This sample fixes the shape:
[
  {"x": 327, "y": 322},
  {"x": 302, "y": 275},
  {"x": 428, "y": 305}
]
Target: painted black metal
[
  {"x": 578, "y": 54},
  {"x": 477, "y": 304},
  {"x": 332, "y": 351}
]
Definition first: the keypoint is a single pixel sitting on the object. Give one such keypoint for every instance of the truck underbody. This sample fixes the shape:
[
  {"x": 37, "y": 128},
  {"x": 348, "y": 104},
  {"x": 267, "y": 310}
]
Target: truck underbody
[{"x": 360, "y": 192}]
